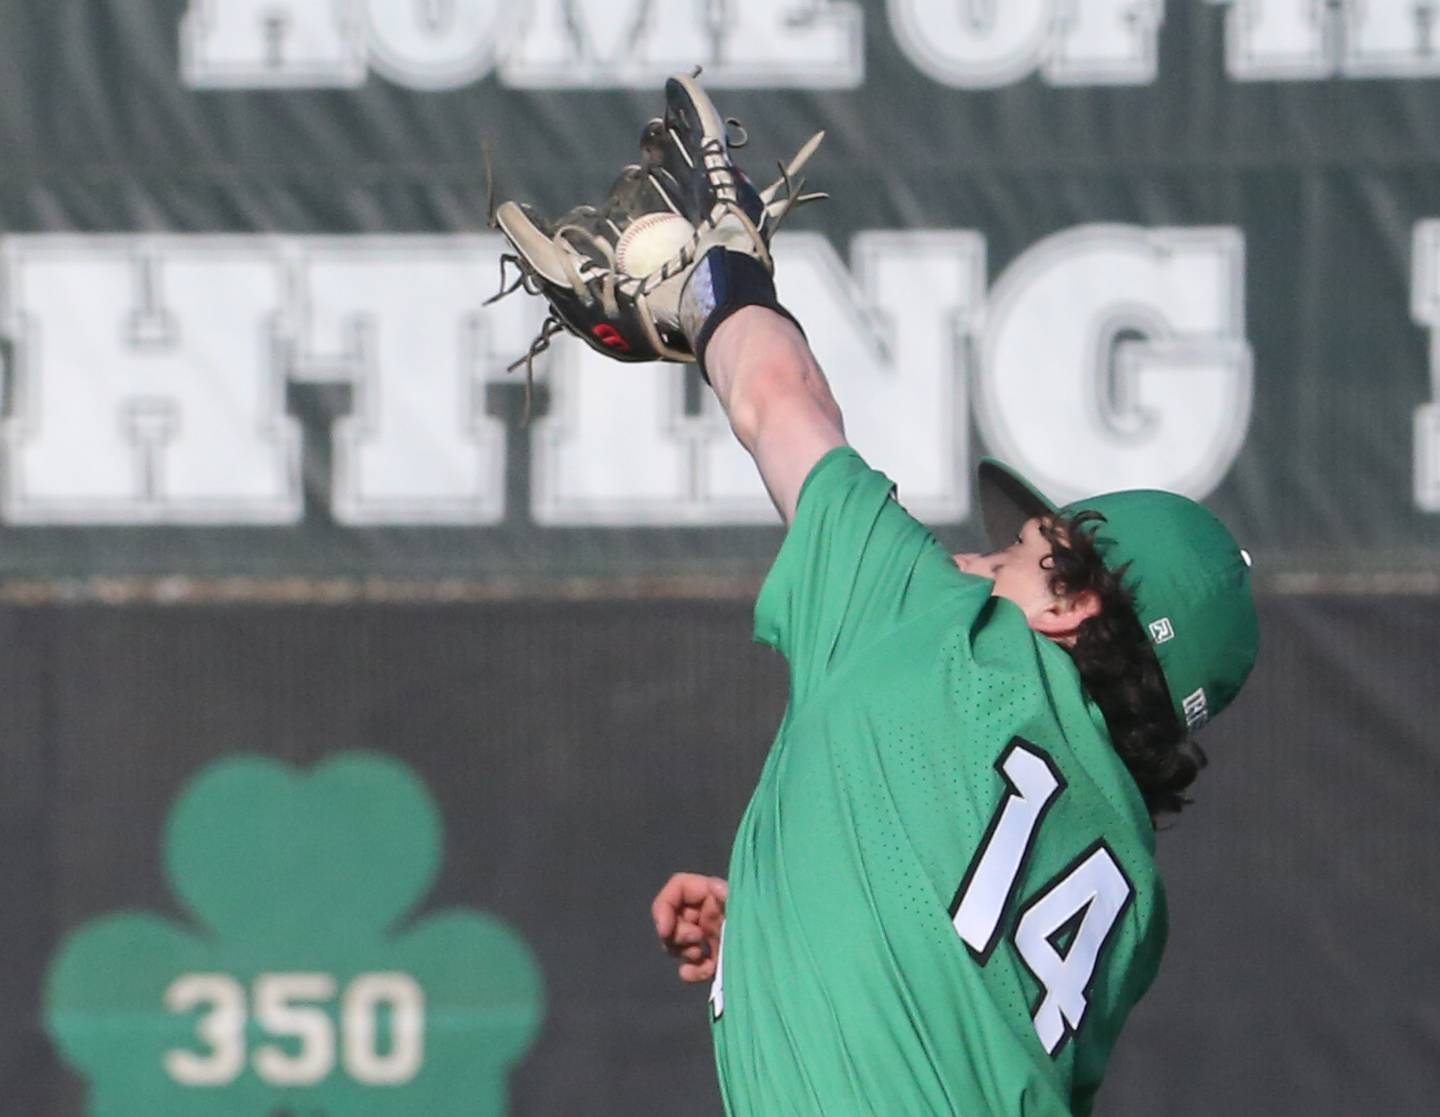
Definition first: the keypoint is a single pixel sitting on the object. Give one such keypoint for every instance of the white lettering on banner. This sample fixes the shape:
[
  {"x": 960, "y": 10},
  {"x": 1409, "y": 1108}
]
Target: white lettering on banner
[
  {"x": 986, "y": 43},
  {"x": 165, "y": 400},
  {"x": 894, "y": 343},
  {"x": 146, "y": 385},
  {"x": 1285, "y": 40},
  {"x": 811, "y": 44},
  {"x": 1425, "y": 306},
  {"x": 434, "y": 44},
  {"x": 1391, "y": 39},
  {"x": 250, "y": 44},
  {"x": 1103, "y": 42},
  {"x": 399, "y": 317},
  {"x": 741, "y": 43},
  {"x": 617, "y": 448},
  {"x": 150, "y": 371},
  {"x": 1115, "y": 357},
  {"x": 443, "y": 44},
  {"x": 1298, "y": 40}
]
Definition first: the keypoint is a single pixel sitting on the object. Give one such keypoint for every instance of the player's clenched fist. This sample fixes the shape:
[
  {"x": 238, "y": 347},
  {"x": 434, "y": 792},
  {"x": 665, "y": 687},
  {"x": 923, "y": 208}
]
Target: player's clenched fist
[{"x": 689, "y": 912}]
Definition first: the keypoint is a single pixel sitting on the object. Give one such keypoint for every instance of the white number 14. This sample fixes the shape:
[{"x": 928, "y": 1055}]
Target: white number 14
[{"x": 1086, "y": 899}]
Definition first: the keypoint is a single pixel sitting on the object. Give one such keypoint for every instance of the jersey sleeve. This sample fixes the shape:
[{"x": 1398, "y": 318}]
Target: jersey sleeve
[{"x": 854, "y": 565}]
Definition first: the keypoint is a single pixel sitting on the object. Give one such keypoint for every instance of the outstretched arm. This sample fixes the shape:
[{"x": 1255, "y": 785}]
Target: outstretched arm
[{"x": 776, "y": 398}]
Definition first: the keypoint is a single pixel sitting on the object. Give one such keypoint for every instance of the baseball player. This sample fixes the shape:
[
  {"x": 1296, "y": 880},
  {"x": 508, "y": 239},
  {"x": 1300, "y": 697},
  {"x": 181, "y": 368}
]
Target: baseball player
[{"x": 943, "y": 897}]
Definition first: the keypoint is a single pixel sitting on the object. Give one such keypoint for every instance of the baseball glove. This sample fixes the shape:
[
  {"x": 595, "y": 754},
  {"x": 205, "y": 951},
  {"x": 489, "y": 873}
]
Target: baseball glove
[{"x": 613, "y": 273}]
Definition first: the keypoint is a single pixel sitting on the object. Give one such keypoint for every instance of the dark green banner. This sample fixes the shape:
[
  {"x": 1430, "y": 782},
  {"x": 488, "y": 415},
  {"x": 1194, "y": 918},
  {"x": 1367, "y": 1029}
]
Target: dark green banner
[{"x": 1117, "y": 243}]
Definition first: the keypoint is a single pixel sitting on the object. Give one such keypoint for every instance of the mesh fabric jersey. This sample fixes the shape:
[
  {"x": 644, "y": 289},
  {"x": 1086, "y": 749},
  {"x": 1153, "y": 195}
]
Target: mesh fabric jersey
[{"x": 935, "y": 754}]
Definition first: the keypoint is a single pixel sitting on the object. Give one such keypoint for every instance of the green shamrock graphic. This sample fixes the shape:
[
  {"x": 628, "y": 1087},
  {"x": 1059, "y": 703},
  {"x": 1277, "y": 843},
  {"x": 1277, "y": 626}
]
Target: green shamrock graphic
[{"x": 300, "y": 990}]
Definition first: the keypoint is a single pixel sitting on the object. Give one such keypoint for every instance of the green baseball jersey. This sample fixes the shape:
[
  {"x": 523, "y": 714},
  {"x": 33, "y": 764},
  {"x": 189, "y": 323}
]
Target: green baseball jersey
[{"x": 943, "y": 894}]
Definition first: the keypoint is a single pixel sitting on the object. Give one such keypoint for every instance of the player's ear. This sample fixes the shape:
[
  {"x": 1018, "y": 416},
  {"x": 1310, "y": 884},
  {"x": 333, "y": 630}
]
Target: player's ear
[{"x": 1062, "y": 618}]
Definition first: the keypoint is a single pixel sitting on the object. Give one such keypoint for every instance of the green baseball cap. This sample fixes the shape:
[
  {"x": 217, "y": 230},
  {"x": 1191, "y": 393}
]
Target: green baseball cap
[{"x": 1190, "y": 579}]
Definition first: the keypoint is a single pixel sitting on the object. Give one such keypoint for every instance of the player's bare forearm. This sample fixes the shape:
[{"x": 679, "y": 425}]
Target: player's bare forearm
[{"x": 777, "y": 399}]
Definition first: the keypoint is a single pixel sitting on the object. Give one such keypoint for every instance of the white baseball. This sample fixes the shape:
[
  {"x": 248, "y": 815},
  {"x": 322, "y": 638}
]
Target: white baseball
[{"x": 650, "y": 240}]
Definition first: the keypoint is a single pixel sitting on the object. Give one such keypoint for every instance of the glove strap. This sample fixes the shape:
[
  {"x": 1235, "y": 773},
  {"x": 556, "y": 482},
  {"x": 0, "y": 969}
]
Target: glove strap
[{"x": 722, "y": 283}]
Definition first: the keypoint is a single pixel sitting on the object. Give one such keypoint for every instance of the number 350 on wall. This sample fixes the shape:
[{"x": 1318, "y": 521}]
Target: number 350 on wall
[{"x": 297, "y": 1008}]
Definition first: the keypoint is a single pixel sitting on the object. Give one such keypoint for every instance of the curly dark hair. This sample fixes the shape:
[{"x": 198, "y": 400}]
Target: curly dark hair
[{"x": 1119, "y": 670}]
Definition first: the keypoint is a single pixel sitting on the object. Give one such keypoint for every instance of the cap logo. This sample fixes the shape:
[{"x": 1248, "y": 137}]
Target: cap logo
[
  {"x": 1197, "y": 709},
  {"x": 1162, "y": 630}
]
